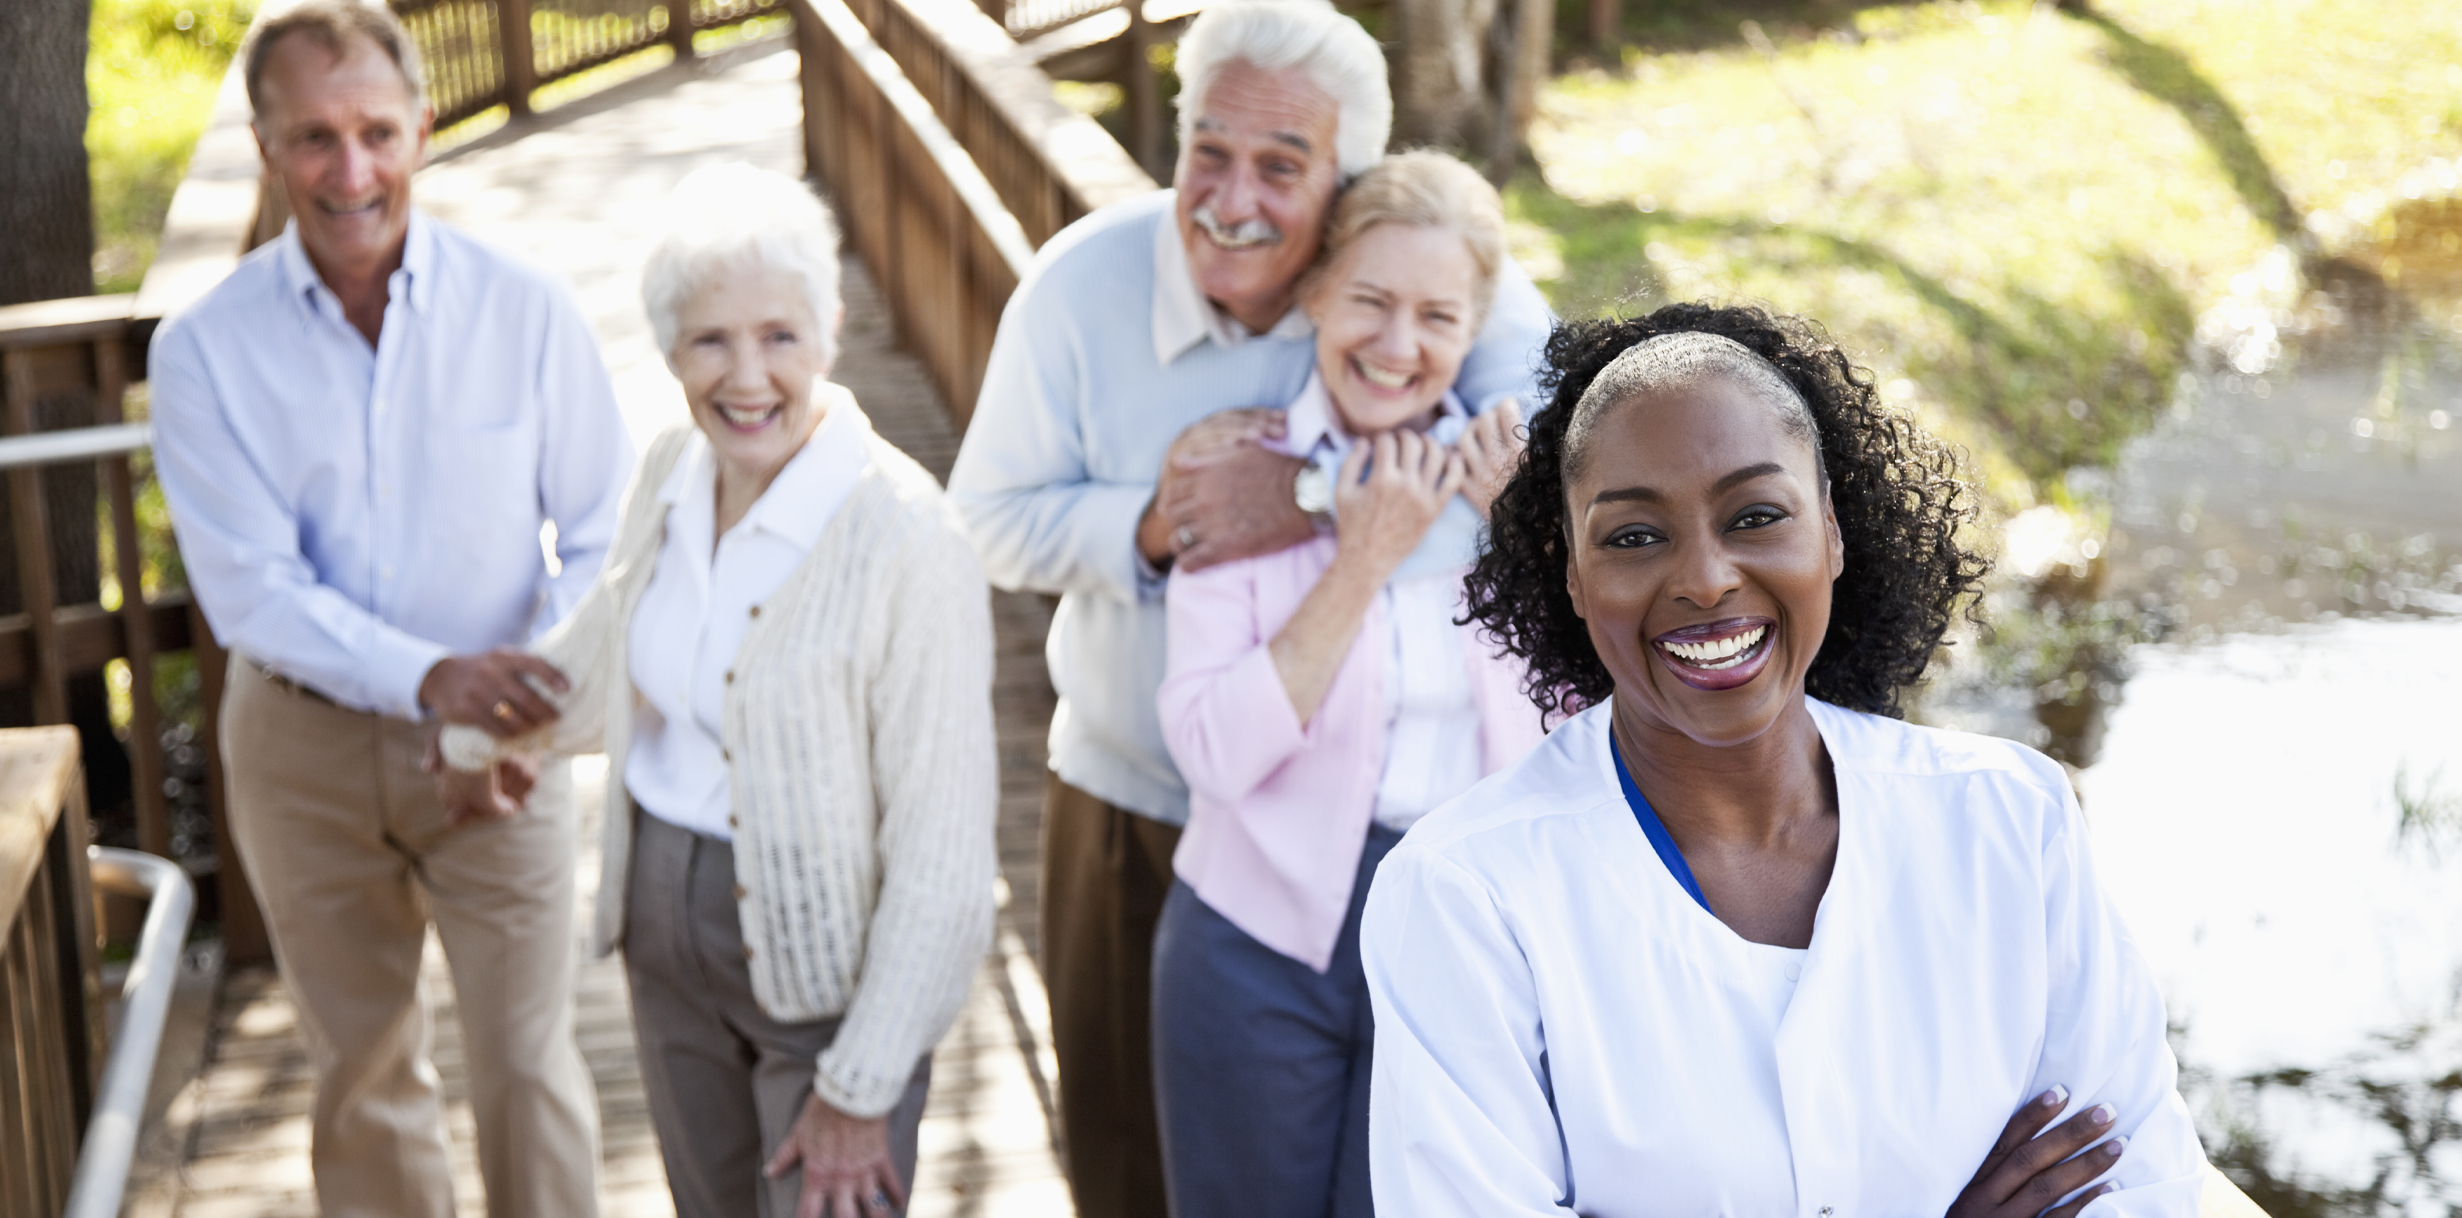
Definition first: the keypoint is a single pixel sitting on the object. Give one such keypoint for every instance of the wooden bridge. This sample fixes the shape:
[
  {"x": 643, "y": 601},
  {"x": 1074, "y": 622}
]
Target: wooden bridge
[{"x": 933, "y": 129}]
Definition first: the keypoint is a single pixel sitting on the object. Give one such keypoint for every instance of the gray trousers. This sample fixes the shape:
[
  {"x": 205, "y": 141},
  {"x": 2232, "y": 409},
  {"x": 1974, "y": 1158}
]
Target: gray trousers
[
  {"x": 725, "y": 1081},
  {"x": 1261, "y": 1065}
]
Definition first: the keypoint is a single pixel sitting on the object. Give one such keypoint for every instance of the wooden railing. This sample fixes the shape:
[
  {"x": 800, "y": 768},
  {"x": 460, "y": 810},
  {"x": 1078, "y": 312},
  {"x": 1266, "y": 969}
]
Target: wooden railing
[
  {"x": 486, "y": 53},
  {"x": 950, "y": 161},
  {"x": 50, "y": 997},
  {"x": 91, "y": 348}
]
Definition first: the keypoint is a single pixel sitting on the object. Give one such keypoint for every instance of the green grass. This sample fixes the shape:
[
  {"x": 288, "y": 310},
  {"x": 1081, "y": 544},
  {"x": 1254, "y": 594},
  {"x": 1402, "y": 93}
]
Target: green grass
[
  {"x": 151, "y": 75},
  {"x": 2014, "y": 215}
]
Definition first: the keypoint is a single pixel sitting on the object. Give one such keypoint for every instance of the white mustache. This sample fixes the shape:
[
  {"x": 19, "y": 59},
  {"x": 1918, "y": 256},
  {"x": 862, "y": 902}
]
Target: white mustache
[{"x": 1237, "y": 236}]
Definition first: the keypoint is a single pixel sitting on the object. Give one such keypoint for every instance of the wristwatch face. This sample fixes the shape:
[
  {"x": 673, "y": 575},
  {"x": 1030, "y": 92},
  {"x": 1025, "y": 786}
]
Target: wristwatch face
[{"x": 1313, "y": 489}]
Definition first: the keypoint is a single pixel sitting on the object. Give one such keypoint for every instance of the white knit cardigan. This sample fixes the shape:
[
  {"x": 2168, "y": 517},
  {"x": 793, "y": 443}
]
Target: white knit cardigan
[{"x": 863, "y": 773}]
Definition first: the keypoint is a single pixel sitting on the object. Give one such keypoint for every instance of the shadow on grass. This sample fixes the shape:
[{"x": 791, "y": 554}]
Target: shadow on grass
[
  {"x": 2058, "y": 388},
  {"x": 2167, "y": 76}
]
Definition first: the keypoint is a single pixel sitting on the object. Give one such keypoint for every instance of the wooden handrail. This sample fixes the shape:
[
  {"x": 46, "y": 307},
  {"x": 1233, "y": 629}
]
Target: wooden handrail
[{"x": 50, "y": 1007}]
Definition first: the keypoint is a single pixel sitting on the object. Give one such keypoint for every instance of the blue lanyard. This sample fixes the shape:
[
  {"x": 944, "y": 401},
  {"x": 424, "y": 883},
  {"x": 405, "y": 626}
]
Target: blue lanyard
[{"x": 1660, "y": 839}]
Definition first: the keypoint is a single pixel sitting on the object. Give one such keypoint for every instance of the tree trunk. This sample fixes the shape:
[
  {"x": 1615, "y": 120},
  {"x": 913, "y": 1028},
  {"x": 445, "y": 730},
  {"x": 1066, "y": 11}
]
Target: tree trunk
[
  {"x": 1466, "y": 74},
  {"x": 46, "y": 198},
  {"x": 47, "y": 253},
  {"x": 1439, "y": 67}
]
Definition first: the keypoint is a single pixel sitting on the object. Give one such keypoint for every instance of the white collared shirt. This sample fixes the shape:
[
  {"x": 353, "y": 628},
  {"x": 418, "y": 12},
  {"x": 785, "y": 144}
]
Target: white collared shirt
[
  {"x": 351, "y": 514},
  {"x": 1561, "y": 1029},
  {"x": 692, "y": 618},
  {"x": 1432, "y": 729}
]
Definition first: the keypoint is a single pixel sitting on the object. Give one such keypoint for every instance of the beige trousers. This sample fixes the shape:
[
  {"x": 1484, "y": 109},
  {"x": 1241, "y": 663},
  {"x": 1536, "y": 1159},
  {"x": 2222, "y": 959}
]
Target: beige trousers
[{"x": 347, "y": 843}]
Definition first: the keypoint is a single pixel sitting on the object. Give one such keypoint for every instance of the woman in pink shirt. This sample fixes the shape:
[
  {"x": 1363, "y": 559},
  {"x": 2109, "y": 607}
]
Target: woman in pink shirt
[{"x": 1321, "y": 699}]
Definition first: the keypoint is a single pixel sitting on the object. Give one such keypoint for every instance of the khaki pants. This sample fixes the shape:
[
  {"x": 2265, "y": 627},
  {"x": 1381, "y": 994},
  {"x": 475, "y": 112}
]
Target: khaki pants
[
  {"x": 346, "y": 841},
  {"x": 725, "y": 1081},
  {"x": 1106, "y": 871}
]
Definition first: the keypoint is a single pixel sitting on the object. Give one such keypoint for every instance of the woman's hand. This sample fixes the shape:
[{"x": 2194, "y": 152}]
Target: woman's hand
[
  {"x": 847, "y": 1169},
  {"x": 1383, "y": 515},
  {"x": 1491, "y": 450},
  {"x": 498, "y": 792},
  {"x": 2025, "y": 1174}
]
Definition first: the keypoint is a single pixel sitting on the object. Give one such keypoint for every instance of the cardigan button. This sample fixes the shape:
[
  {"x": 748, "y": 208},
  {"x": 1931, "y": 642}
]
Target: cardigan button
[
  {"x": 730, "y": 676},
  {"x": 748, "y": 956},
  {"x": 756, "y": 611},
  {"x": 727, "y": 755},
  {"x": 740, "y": 894},
  {"x": 730, "y": 820}
]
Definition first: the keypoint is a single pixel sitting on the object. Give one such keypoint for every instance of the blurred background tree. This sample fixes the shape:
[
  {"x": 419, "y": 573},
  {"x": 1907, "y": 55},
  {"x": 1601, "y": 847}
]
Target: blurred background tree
[{"x": 46, "y": 199}]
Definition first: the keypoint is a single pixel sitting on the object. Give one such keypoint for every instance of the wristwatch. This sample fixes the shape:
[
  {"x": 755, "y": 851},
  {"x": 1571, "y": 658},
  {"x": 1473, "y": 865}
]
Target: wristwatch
[{"x": 1313, "y": 490}]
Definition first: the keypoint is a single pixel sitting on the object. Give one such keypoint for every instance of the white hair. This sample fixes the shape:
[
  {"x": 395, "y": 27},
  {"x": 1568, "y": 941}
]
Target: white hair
[
  {"x": 1327, "y": 47},
  {"x": 727, "y": 218}
]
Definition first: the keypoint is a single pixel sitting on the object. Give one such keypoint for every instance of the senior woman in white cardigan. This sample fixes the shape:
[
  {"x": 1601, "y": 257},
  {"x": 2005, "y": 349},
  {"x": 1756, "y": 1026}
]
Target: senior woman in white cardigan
[{"x": 788, "y": 662}]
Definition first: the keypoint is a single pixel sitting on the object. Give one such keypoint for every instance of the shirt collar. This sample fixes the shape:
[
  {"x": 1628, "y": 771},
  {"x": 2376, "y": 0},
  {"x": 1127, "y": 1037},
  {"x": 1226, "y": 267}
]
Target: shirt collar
[
  {"x": 413, "y": 281},
  {"x": 1309, "y": 424},
  {"x": 1183, "y": 317},
  {"x": 800, "y": 500}
]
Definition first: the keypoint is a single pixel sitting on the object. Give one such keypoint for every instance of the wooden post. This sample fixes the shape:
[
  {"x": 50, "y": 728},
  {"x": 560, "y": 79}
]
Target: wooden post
[
  {"x": 33, "y": 538},
  {"x": 679, "y": 29},
  {"x": 243, "y": 924},
  {"x": 136, "y": 622},
  {"x": 521, "y": 65},
  {"x": 1145, "y": 110}
]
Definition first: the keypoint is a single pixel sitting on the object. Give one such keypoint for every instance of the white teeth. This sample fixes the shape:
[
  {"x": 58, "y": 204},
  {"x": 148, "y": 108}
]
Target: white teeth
[
  {"x": 743, "y": 417},
  {"x": 1719, "y": 653},
  {"x": 1380, "y": 378}
]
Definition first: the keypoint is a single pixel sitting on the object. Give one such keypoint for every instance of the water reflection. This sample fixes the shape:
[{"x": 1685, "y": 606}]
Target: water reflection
[{"x": 2247, "y": 641}]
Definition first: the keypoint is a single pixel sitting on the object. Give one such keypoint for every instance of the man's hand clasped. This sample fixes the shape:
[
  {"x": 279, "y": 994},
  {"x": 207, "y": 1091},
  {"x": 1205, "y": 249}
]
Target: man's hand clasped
[
  {"x": 1225, "y": 496},
  {"x": 492, "y": 690},
  {"x": 499, "y": 692}
]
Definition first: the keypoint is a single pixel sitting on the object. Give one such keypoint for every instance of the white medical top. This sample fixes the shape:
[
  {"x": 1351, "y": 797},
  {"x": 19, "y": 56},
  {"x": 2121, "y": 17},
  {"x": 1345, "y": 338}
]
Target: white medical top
[
  {"x": 1432, "y": 727},
  {"x": 691, "y": 619},
  {"x": 1561, "y": 1029}
]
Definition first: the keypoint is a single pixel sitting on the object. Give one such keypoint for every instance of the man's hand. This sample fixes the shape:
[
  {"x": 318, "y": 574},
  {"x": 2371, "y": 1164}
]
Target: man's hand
[
  {"x": 2024, "y": 1174},
  {"x": 488, "y": 691},
  {"x": 1223, "y": 495},
  {"x": 847, "y": 1169},
  {"x": 499, "y": 792}
]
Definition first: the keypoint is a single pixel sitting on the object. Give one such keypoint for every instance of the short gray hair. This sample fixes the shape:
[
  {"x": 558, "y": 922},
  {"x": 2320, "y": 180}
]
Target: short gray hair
[
  {"x": 1327, "y": 47},
  {"x": 724, "y": 218},
  {"x": 1684, "y": 358},
  {"x": 332, "y": 23}
]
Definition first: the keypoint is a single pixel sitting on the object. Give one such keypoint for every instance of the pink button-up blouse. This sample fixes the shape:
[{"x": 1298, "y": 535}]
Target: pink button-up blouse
[{"x": 1278, "y": 813}]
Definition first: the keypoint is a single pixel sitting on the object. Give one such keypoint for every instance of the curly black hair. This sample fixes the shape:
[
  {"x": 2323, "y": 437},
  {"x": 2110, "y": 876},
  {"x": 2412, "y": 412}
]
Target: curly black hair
[{"x": 1896, "y": 489}]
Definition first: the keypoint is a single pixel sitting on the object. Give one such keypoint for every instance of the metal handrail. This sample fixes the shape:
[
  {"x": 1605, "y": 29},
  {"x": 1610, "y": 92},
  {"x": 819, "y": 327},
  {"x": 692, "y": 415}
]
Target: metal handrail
[
  {"x": 110, "y": 1145},
  {"x": 75, "y": 444}
]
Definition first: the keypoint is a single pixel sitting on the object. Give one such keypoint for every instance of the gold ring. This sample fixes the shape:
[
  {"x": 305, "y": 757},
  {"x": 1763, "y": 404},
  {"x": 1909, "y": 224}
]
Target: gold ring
[{"x": 504, "y": 711}]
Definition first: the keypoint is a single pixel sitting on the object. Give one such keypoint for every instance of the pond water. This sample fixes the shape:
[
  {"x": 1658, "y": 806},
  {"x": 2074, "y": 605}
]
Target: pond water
[{"x": 2247, "y": 641}]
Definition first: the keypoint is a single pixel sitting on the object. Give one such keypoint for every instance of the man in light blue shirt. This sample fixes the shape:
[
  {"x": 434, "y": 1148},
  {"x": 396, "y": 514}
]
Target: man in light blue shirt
[
  {"x": 363, "y": 434},
  {"x": 1086, "y": 472}
]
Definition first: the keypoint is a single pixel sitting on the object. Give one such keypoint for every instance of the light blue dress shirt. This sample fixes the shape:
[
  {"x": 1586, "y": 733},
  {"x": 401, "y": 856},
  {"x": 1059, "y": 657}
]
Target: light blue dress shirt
[
  {"x": 1105, "y": 354},
  {"x": 350, "y": 515}
]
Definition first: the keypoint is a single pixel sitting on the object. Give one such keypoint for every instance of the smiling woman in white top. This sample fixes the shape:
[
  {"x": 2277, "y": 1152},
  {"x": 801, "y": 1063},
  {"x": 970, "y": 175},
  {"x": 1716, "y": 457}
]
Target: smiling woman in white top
[
  {"x": 1735, "y": 939},
  {"x": 788, "y": 661}
]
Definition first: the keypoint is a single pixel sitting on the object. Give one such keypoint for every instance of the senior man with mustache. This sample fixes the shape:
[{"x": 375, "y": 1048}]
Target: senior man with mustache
[
  {"x": 361, "y": 432},
  {"x": 1118, "y": 435}
]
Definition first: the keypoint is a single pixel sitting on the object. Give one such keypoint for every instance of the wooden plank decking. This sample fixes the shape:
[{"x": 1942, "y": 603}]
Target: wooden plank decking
[{"x": 578, "y": 191}]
